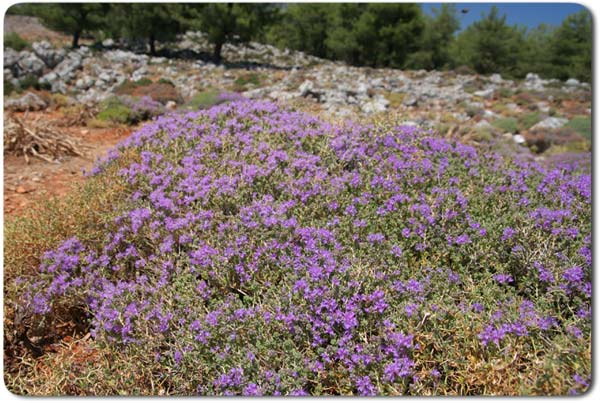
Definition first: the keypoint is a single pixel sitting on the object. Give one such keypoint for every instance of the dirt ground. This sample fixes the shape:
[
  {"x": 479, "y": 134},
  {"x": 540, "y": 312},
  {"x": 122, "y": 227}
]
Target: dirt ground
[{"x": 39, "y": 180}]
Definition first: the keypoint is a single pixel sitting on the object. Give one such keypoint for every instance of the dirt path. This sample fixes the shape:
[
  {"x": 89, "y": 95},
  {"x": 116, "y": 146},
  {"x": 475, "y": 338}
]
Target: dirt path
[{"x": 39, "y": 180}]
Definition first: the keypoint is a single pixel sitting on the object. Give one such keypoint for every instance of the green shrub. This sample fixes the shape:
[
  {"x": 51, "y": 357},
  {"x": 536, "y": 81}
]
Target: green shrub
[
  {"x": 8, "y": 87},
  {"x": 127, "y": 87},
  {"x": 115, "y": 111},
  {"x": 14, "y": 41},
  {"x": 505, "y": 92},
  {"x": 143, "y": 82},
  {"x": 395, "y": 98},
  {"x": 31, "y": 81},
  {"x": 166, "y": 81},
  {"x": 528, "y": 120},
  {"x": 582, "y": 125},
  {"x": 204, "y": 99},
  {"x": 249, "y": 78},
  {"x": 509, "y": 125}
]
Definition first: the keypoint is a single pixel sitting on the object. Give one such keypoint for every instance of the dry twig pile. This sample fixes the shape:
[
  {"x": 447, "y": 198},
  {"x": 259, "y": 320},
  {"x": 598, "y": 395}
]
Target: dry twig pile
[{"x": 36, "y": 138}]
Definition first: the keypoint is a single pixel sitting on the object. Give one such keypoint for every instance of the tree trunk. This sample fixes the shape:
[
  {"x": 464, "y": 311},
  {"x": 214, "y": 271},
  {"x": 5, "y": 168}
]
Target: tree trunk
[
  {"x": 75, "y": 43},
  {"x": 217, "y": 52},
  {"x": 152, "y": 41}
]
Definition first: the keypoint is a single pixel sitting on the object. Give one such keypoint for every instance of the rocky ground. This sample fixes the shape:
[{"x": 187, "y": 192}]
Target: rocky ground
[{"x": 532, "y": 116}]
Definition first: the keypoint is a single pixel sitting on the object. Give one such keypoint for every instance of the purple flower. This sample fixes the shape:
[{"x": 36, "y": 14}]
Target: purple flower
[
  {"x": 503, "y": 278},
  {"x": 573, "y": 275},
  {"x": 508, "y": 233},
  {"x": 365, "y": 387}
]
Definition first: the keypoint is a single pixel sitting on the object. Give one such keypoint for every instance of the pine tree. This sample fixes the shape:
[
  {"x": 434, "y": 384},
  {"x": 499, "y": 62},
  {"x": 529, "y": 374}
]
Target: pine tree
[{"x": 73, "y": 18}]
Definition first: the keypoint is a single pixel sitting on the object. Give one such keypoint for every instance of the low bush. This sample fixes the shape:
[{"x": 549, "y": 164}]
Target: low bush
[
  {"x": 247, "y": 80},
  {"x": 582, "y": 125},
  {"x": 528, "y": 120},
  {"x": 166, "y": 81},
  {"x": 507, "y": 125},
  {"x": 9, "y": 88},
  {"x": 31, "y": 81},
  {"x": 127, "y": 87},
  {"x": 159, "y": 92},
  {"x": 114, "y": 110},
  {"x": 207, "y": 99},
  {"x": 395, "y": 99},
  {"x": 14, "y": 41},
  {"x": 252, "y": 250}
]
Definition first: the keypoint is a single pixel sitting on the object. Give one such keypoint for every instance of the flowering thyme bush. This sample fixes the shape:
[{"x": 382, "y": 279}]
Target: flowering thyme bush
[{"x": 261, "y": 251}]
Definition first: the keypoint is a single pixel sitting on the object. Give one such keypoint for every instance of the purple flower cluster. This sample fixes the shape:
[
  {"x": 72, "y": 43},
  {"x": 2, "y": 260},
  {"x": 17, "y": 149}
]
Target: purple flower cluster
[
  {"x": 276, "y": 254},
  {"x": 144, "y": 108}
]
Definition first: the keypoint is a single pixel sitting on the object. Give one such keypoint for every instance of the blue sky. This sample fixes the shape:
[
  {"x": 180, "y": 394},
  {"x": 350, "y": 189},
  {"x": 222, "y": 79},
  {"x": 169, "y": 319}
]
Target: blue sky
[{"x": 527, "y": 14}]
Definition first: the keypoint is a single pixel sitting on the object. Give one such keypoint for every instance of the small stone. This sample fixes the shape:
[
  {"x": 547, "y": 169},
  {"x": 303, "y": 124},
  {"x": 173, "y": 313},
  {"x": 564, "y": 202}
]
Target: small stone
[
  {"x": 410, "y": 100},
  {"x": 519, "y": 139},
  {"x": 24, "y": 189}
]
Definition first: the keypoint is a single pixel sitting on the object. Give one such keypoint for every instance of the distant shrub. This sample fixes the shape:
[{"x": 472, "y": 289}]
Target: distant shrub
[
  {"x": 144, "y": 108},
  {"x": 248, "y": 78},
  {"x": 14, "y": 41},
  {"x": 529, "y": 119},
  {"x": 114, "y": 110},
  {"x": 31, "y": 81},
  {"x": 464, "y": 70},
  {"x": 395, "y": 98},
  {"x": 159, "y": 92},
  {"x": 567, "y": 138},
  {"x": 9, "y": 88},
  {"x": 166, "y": 81},
  {"x": 60, "y": 101},
  {"x": 582, "y": 125},
  {"x": 127, "y": 87},
  {"x": 206, "y": 99},
  {"x": 508, "y": 125},
  {"x": 505, "y": 92},
  {"x": 142, "y": 82}
]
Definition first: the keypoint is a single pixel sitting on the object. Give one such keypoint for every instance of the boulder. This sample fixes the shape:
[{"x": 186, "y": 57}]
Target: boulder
[
  {"x": 29, "y": 63},
  {"x": 483, "y": 124},
  {"x": 410, "y": 100},
  {"x": 50, "y": 56},
  {"x": 84, "y": 83},
  {"x": 496, "y": 79},
  {"x": 534, "y": 82},
  {"x": 11, "y": 57},
  {"x": 485, "y": 94},
  {"x": 27, "y": 102},
  {"x": 374, "y": 106},
  {"x": 66, "y": 69},
  {"x": 49, "y": 78},
  {"x": 550, "y": 123},
  {"x": 59, "y": 86},
  {"x": 305, "y": 88},
  {"x": 572, "y": 82}
]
